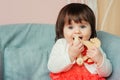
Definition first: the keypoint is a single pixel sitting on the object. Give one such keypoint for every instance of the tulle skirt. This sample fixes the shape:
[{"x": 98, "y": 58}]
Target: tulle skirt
[{"x": 76, "y": 73}]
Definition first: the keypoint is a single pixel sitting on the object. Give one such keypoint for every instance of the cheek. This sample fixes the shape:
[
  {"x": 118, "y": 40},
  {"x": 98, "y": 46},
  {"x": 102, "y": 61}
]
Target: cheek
[
  {"x": 66, "y": 33},
  {"x": 87, "y": 35},
  {"x": 68, "y": 37}
]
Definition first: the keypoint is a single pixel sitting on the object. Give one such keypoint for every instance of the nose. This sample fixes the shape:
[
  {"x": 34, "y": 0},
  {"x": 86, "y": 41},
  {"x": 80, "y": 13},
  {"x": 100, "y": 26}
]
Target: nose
[{"x": 77, "y": 31}]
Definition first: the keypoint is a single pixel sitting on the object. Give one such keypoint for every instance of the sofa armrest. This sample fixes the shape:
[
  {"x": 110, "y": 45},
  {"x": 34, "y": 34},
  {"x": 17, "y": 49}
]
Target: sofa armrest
[{"x": 110, "y": 44}]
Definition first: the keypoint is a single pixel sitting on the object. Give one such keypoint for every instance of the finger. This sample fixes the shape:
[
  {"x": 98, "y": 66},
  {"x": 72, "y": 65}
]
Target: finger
[
  {"x": 81, "y": 48},
  {"x": 90, "y": 53}
]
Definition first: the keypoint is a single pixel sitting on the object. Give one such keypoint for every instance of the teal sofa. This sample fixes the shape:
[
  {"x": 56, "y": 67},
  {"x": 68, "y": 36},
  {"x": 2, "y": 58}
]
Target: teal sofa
[{"x": 25, "y": 48}]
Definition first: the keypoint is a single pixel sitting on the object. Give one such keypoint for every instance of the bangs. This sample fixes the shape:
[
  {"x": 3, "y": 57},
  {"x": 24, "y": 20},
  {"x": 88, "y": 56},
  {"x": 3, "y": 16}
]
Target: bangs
[{"x": 77, "y": 18}]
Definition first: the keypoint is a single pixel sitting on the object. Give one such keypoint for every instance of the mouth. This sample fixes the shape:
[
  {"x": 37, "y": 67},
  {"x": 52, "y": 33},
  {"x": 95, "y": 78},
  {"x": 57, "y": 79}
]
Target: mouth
[{"x": 79, "y": 37}]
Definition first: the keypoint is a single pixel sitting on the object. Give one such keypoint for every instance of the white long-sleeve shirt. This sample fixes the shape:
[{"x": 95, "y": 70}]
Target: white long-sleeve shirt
[{"x": 59, "y": 61}]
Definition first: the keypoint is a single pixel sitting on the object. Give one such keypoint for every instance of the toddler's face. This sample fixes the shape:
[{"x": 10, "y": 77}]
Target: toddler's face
[{"x": 82, "y": 29}]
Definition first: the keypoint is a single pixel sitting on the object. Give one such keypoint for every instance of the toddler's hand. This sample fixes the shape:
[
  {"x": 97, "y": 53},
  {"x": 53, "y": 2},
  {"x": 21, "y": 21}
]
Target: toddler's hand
[
  {"x": 95, "y": 54},
  {"x": 75, "y": 49}
]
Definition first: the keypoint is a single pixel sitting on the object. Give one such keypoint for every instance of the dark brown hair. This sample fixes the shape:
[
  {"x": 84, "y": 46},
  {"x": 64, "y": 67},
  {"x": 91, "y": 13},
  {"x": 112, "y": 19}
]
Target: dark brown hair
[{"x": 76, "y": 12}]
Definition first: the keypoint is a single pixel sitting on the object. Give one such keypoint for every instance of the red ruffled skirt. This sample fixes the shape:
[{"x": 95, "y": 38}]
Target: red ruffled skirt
[{"x": 76, "y": 73}]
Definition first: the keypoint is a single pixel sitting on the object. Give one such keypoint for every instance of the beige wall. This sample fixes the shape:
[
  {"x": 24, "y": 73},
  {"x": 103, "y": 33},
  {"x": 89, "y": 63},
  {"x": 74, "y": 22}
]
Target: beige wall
[
  {"x": 42, "y": 11},
  {"x": 109, "y": 16},
  {"x": 30, "y": 11}
]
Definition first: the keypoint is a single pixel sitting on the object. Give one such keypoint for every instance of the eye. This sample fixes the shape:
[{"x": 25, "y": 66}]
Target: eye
[
  {"x": 83, "y": 26},
  {"x": 70, "y": 27}
]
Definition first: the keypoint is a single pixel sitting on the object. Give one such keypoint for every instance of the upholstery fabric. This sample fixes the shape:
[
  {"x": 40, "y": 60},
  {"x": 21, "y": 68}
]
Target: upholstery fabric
[
  {"x": 110, "y": 44},
  {"x": 25, "y": 48}
]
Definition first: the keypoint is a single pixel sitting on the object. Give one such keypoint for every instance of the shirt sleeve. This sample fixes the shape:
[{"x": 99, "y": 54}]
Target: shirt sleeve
[
  {"x": 59, "y": 58},
  {"x": 105, "y": 69}
]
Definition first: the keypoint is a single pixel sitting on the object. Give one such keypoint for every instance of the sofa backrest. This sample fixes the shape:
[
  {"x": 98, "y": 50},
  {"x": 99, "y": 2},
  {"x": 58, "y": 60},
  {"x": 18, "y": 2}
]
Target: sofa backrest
[{"x": 25, "y": 48}]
